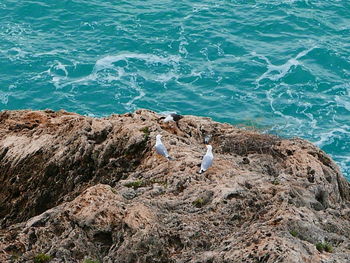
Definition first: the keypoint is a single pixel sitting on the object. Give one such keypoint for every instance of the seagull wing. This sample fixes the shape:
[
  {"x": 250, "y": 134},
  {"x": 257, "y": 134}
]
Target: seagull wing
[
  {"x": 176, "y": 117},
  {"x": 168, "y": 118},
  {"x": 160, "y": 148},
  {"x": 206, "y": 162}
]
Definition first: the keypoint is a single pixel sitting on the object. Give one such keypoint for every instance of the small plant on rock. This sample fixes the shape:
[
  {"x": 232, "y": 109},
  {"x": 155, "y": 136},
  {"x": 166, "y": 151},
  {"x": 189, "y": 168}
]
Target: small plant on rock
[
  {"x": 328, "y": 248},
  {"x": 42, "y": 258},
  {"x": 294, "y": 233},
  {"x": 199, "y": 202},
  {"x": 15, "y": 256},
  {"x": 146, "y": 132},
  {"x": 135, "y": 184},
  {"x": 324, "y": 247},
  {"x": 275, "y": 181},
  {"x": 320, "y": 246},
  {"x": 161, "y": 182},
  {"x": 88, "y": 260}
]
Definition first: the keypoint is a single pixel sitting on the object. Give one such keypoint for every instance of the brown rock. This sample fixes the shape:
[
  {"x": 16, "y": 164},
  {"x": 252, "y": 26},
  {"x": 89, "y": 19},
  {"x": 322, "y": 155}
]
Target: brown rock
[{"x": 76, "y": 187}]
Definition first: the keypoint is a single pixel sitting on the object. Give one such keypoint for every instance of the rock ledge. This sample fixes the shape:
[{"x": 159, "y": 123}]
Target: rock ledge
[{"x": 77, "y": 188}]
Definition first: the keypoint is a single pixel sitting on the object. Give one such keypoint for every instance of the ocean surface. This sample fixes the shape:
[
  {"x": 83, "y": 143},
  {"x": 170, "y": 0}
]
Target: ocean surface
[{"x": 280, "y": 65}]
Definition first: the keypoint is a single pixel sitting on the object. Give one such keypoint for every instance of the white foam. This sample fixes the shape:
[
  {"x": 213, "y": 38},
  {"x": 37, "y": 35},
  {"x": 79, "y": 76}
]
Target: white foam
[
  {"x": 327, "y": 138},
  {"x": 60, "y": 66},
  {"x": 107, "y": 61},
  {"x": 115, "y": 77},
  {"x": 270, "y": 97},
  {"x": 344, "y": 100},
  {"x": 61, "y": 82},
  {"x": 344, "y": 163},
  {"x": 104, "y": 70},
  {"x": 52, "y": 52},
  {"x": 129, "y": 106},
  {"x": 196, "y": 9},
  {"x": 92, "y": 25},
  {"x": 4, "y": 97},
  {"x": 182, "y": 48},
  {"x": 220, "y": 51},
  {"x": 165, "y": 77},
  {"x": 281, "y": 69},
  {"x": 16, "y": 53}
]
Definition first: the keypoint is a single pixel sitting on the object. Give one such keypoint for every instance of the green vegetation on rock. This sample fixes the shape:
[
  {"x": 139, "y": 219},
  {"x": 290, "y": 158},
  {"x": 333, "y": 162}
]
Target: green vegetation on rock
[
  {"x": 276, "y": 181},
  {"x": 140, "y": 183},
  {"x": 294, "y": 233},
  {"x": 135, "y": 184},
  {"x": 199, "y": 202},
  {"x": 42, "y": 258},
  {"x": 324, "y": 247},
  {"x": 146, "y": 132},
  {"x": 88, "y": 260}
]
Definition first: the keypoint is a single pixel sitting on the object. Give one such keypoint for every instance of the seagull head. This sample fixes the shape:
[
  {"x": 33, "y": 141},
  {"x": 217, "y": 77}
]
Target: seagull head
[
  {"x": 209, "y": 147},
  {"x": 158, "y": 137}
]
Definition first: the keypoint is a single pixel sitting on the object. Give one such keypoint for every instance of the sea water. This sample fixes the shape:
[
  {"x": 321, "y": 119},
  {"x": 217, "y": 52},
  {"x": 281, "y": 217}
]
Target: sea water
[{"x": 279, "y": 65}]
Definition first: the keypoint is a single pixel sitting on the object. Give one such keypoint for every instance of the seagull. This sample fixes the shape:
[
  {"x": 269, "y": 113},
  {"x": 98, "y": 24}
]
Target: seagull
[
  {"x": 207, "y": 160},
  {"x": 173, "y": 117},
  {"x": 160, "y": 148}
]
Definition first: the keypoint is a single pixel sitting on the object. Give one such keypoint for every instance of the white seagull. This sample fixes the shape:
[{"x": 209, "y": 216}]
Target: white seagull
[
  {"x": 207, "y": 160},
  {"x": 173, "y": 117},
  {"x": 160, "y": 148}
]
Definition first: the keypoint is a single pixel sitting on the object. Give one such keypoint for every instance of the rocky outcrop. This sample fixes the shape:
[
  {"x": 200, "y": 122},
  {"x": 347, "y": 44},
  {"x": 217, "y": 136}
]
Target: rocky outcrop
[{"x": 76, "y": 188}]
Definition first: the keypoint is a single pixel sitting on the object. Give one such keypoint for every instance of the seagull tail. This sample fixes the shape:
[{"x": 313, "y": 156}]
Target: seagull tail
[
  {"x": 201, "y": 171},
  {"x": 170, "y": 158}
]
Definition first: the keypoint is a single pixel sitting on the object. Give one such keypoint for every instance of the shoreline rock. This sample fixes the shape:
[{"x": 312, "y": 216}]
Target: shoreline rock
[{"x": 76, "y": 187}]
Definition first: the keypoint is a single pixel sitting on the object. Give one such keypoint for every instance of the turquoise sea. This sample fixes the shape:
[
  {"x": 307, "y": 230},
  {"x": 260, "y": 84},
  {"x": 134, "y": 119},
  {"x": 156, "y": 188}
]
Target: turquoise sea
[{"x": 280, "y": 65}]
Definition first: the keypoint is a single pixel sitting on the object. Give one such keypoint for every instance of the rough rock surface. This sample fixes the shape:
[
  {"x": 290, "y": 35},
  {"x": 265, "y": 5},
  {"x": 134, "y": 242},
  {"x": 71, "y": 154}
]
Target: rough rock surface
[{"x": 77, "y": 188}]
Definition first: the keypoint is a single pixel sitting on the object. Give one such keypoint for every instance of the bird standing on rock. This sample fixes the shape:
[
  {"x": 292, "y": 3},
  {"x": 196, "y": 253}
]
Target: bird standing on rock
[
  {"x": 160, "y": 148},
  {"x": 207, "y": 160},
  {"x": 173, "y": 117}
]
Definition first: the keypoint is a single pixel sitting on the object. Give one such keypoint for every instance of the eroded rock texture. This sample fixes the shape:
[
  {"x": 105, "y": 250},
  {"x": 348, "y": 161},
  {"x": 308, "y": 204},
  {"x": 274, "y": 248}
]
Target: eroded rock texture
[{"x": 77, "y": 188}]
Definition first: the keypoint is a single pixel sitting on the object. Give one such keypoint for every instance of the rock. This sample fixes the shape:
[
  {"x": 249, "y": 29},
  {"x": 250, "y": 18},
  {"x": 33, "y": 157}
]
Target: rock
[
  {"x": 76, "y": 188},
  {"x": 128, "y": 193}
]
